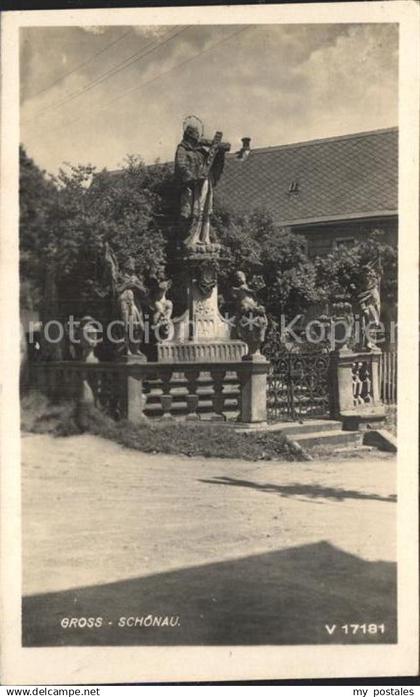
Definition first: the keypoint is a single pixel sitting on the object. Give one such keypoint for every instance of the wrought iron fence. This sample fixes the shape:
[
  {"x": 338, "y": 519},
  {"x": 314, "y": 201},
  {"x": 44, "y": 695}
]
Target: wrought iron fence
[{"x": 298, "y": 387}]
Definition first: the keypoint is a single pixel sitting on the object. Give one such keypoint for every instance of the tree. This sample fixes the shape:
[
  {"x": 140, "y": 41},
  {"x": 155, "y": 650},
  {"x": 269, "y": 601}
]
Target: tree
[
  {"x": 66, "y": 220},
  {"x": 37, "y": 198},
  {"x": 339, "y": 274},
  {"x": 257, "y": 245},
  {"x": 289, "y": 274}
]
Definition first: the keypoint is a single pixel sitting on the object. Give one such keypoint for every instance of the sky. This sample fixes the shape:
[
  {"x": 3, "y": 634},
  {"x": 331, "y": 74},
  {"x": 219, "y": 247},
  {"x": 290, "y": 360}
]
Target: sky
[{"x": 93, "y": 95}]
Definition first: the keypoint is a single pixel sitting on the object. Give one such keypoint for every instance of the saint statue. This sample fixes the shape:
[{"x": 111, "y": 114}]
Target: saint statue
[
  {"x": 198, "y": 166},
  {"x": 369, "y": 300},
  {"x": 251, "y": 319},
  {"x": 127, "y": 292}
]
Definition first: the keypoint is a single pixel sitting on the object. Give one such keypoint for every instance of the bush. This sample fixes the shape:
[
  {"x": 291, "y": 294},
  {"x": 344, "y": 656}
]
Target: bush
[{"x": 194, "y": 439}]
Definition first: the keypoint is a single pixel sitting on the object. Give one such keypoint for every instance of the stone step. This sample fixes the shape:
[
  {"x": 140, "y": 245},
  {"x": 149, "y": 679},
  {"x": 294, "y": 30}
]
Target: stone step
[
  {"x": 354, "y": 448},
  {"x": 294, "y": 428},
  {"x": 329, "y": 438}
]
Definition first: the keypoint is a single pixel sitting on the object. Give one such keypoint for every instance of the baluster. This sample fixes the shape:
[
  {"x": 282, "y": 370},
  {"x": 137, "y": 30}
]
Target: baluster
[
  {"x": 51, "y": 383},
  {"x": 382, "y": 377},
  {"x": 69, "y": 384},
  {"x": 87, "y": 396},
  {"x": 243, "y": 380},
  {"x": 116, "y": 386},
  {"x": 58, "y": 391},
  {"x": 66, "y": 384},
  {"x": 394, "y": 378},
  {"x": 166, "y": 398},
  {"x": 101, "y": 392},
  {"x": 92, "y": 381},
  {"x": 365, "y": 375},
  {"x": 357, "y": 384},
  {"x": 218, "y": 376},
  {"x": 291, "y": 390},
  {"x": 192, "y": 396}
]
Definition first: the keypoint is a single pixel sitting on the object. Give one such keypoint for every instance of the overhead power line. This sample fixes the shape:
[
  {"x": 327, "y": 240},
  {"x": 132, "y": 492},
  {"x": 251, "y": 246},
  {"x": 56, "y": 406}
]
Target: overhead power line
[
  {"x": 126, "y": 63},
  {"x": 179, "y": 65},
  {"x": 80, "y": 65},
  {"x": 156, "y": 77}
]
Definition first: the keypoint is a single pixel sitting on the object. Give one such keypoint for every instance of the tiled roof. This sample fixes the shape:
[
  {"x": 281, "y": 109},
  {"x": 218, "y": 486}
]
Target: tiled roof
[{"x": 346, "y": 176}]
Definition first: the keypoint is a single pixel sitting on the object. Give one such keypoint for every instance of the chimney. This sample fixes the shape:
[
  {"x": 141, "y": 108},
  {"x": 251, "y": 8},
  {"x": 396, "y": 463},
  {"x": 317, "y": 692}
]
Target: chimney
[{"x": 245, "y": 149}]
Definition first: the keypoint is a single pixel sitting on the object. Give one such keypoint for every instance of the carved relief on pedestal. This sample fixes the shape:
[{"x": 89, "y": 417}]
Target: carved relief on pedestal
[{"x": 203, "y": 309}]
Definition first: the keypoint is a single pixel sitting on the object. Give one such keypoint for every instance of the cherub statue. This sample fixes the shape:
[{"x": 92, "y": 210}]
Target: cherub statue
[
  {"x": 251, "y": 319},
  {"x": 161, "y": 307}
]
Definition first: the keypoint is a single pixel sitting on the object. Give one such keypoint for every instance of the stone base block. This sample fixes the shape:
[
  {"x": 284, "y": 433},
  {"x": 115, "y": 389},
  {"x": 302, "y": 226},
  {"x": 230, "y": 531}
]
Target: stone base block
[
  {"x": 381, "y": 439},
  {"x": 213, "y": 352},
  {"x": 362, "y": 420}
]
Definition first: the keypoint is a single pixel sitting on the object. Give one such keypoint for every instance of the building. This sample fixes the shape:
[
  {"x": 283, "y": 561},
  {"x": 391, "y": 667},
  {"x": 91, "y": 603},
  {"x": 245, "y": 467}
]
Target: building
[{"x": 333, "y": 191}]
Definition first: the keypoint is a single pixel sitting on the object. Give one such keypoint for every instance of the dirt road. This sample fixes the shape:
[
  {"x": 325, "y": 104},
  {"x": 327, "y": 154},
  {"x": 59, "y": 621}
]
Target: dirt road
[{"x": 229, "y": 551}]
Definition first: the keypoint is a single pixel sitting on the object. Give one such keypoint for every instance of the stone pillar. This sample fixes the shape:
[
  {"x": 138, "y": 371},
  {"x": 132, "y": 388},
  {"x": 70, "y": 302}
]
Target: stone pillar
[
  {"x": 253, "y": 381},
  {"x": 87, "y": 387},
  {"x": 135, "y": 399},
  {"x": 345, "y": 401},
  {"x": 342, "y": 381},
  {"x": 200, "y": 333},
  {"x": 204, "y": 321}
]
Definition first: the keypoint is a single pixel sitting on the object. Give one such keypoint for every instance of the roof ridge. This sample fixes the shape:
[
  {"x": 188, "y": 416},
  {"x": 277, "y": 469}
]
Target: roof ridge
[
  {"x": 285, "y": 146},
  {"x": 303, "y": 143}
]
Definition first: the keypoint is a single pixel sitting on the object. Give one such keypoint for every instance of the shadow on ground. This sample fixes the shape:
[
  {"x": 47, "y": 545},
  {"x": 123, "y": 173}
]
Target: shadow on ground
[
  {"x": 282, "y": 597},
  {"x": 313, "y": 491}
]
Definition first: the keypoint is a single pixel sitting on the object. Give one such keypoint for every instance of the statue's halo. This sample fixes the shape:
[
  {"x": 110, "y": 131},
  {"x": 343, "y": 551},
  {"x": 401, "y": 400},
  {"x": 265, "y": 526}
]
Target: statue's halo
[{"x": 192, "y": 120}]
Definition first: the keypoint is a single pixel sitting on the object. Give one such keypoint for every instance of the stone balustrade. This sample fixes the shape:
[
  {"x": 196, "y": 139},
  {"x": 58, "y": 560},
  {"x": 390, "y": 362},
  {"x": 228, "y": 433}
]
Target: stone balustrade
[
  {"x": 355, "y": 395},
  {"x": 138, "y": 390}
]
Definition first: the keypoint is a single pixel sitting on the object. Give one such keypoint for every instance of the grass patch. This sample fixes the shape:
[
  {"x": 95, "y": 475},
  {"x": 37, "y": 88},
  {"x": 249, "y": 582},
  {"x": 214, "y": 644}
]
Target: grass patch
[{"x": 194, "y": 439}]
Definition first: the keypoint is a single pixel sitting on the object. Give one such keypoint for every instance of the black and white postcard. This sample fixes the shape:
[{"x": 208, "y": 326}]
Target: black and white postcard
[{"x": 209, "y": 343}]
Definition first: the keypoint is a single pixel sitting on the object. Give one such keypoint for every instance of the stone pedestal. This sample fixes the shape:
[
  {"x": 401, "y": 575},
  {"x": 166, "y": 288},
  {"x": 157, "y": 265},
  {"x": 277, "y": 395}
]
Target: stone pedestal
[
  {"x": 357, "y": 404},
  {"x": 201, "y": 333},
  {"x": 253, "y": 379},
  {"x": 134, "y": 398},
  {"x": 341, "y": 365}
]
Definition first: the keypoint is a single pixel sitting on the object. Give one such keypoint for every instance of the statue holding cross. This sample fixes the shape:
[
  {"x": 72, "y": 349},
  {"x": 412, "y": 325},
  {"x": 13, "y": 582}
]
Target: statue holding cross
[{"x": 198, "y": 166}]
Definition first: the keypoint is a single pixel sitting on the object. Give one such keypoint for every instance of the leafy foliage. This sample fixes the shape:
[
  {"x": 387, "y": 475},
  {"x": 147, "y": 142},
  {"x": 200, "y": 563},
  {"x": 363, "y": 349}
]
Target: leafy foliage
[
  {"x": 37, "y": 203},
  {"x": 339, "y": 273},
  {"x": 65, "y": 221}
]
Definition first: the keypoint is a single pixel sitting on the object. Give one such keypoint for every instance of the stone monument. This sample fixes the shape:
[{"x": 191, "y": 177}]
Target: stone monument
[
  {"x": 200, "y": 333},
  {"x": 251, "y": 320},
  {"x": 369, "y": 301},
  {"x": 127, "y": 291}
]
